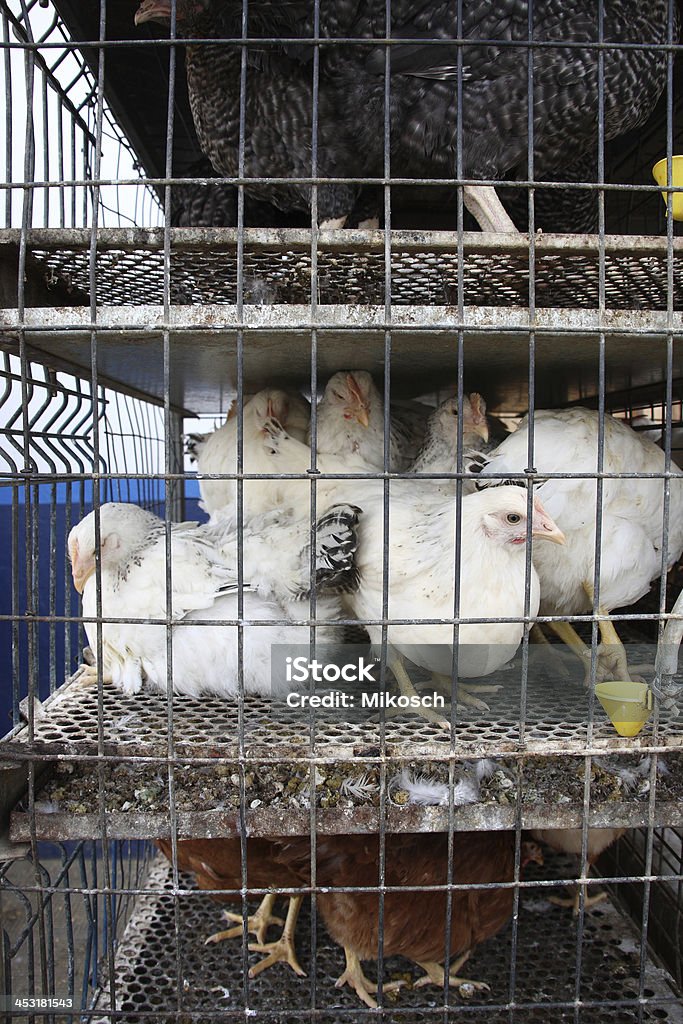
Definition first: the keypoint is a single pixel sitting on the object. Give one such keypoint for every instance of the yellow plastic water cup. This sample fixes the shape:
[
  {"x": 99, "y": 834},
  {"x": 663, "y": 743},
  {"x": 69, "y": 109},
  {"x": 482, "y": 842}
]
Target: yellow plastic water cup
[
  {"x": 659, "y": 174},
  {"x": 628, "y": 705}
]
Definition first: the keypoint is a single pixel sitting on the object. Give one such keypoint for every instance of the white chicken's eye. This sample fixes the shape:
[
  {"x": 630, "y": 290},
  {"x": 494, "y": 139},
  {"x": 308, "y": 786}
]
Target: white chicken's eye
[
  {"x": 513, "y": 518},
  {"x": 337, "y": 395}
]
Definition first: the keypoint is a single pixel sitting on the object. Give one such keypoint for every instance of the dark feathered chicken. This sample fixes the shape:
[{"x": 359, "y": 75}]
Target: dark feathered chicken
[
  {"x": 217, "y": 864},
  {"x": 215, "y": 205},
  {"x": 495, "y": 93},
  {"x": 414, "y": 921},
  {"x": 424, "y": 93},
  {"x": 279, "y": 102}
]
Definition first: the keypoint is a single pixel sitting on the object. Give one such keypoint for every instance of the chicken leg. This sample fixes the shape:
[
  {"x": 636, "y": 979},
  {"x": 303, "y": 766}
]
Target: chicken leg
[
  {"x": 353, "y": 977},
  {"x": 436, "y": 975},
  {"x": 483, "y": 203},
  {"x": 464, "y": 693},
  {"x": 611, "y": 652},
  {"x": 611, "y": 662},
  {"x": 568, "y": 634},
  {"x": 407, "y": 689},
  {"x": 575, "y": 901},
  {"x": 283, "y": 949},
  {"x": 257, "y": 923}
]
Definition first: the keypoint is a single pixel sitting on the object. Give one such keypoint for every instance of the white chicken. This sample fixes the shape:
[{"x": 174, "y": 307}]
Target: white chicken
[
  {"x": 439, "y": 451},
  {"x": 569, "y": 840},
  {"x": 204, "y": 586},
  {"x": 217, "y": 452},
  {"x": 421, "y": 577},
  {"x": 350, "y": 422},
  {"x": 566, "y": 441}
]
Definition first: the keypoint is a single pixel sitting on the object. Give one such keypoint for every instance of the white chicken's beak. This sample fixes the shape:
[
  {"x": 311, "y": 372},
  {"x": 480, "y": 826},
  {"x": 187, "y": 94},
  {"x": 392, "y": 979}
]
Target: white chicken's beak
[
  {"x": 362, "y": 415},
  {"x": 153, "y": 10},
  {"x": 81, "y": 568},
  {"x": 544, "y": 527}
]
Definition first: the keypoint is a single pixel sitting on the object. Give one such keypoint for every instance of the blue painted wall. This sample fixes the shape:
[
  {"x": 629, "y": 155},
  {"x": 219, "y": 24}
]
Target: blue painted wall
[{"x": 51, "y": 551}]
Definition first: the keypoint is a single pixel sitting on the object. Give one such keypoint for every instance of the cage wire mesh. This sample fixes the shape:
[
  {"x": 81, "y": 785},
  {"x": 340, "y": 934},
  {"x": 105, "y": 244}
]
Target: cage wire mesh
[{"x": 160, "y": 270}]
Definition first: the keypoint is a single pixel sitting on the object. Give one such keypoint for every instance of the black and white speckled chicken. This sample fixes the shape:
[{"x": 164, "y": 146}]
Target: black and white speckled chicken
[
  {"x": 495, "y": 93},
  {"x": 279, "y": 99},
  {"x": 424, "y": 100}
]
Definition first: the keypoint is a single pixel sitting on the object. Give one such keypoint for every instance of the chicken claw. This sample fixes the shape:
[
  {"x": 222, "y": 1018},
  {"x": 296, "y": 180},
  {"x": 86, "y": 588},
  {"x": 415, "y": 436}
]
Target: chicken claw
[
  {"x": 464, "y": 692},
  {"x": 84, "y": 677},
  {"x": 407, "y": 689},
  {"x": 257, "y": 923},
  {"x": 435, "y": 975},
  {"x": 283, "y": 949},
  {"x": 575, "y": 901},
  {"x": 353, "y": 977}
]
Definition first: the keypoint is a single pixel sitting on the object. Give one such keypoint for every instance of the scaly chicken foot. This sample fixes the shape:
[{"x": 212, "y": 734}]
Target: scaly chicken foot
[
  {"x": 436, "y": 975},
  {"x": 464, "y": 692},
  {"x": 406, "y": 688},
  {"x": 483, "y": 203},
  {"x": 611, "y": 651},
  {"x": 574, "y": 901},
  {"x": 283, "y": 949},
  {"x": 353, "y": 977},
  {"x": 257, "y": 923},
  {"x": 610, "y": 661}
]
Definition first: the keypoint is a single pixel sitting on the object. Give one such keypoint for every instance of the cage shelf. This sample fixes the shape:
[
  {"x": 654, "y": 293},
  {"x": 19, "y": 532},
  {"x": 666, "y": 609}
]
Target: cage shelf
[
  {"x": 146, "y": 968},
  {"x": 539, "y": 767},
  {"x": 638, "y": 311},
  {"x": 131, "y": 800},
  {"x": 555, "y": 721}
]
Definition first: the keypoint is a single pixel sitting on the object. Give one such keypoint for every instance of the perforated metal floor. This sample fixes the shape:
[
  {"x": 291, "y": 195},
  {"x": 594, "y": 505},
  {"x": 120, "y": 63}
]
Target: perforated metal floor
[
  {"x": 208, "y": 982},
  {"x": 554, "y": 720},
  {"x": 351, "y": 268}
]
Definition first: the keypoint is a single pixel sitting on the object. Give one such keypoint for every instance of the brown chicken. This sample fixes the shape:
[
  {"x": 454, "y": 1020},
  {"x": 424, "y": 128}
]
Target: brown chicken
[
  {"x": 217, "y": 865},
  {"x": 414, "y": 922}
]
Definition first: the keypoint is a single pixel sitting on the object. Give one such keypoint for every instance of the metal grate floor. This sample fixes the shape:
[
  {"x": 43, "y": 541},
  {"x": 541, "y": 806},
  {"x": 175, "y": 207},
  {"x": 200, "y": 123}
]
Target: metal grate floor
[
  {"x": 156, "y": 978},
  {"x": 425, "y": 268},
  {"x": 555, "y": 720}
]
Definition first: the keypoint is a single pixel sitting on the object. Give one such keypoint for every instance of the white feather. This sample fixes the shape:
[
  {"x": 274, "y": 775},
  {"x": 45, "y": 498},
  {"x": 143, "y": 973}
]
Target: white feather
[
  {"x": 203, "y": 566},
  {"x": 566, "y": 440},
  {"x": 218, "y": 453}
]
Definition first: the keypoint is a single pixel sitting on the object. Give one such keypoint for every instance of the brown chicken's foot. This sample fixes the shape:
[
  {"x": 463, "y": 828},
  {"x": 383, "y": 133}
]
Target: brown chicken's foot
[
  {"x": 436, "y": 975},
  {"x": 257, "y": 923},
  {"x": 353, "y": 977},
  {"x": 485, "y": 206},
  {"x": 283, "y": 949},
  {"x": 575, "y": 901},
  {"x": 407, "y": 689}
]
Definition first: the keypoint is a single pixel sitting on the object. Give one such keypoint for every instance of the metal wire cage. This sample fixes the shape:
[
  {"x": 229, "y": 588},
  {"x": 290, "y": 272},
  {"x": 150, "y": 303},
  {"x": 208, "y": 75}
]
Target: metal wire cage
[{"x": 146, "y": 294}]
